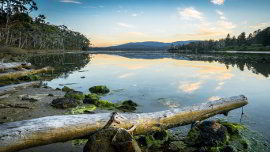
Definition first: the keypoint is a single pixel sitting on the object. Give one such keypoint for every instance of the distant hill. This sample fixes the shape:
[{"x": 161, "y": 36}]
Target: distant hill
[{"x": 148, "y": 45}]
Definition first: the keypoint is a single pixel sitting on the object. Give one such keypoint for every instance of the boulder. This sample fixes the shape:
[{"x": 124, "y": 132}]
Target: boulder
[
  {"x": 111, "y": 140},
  {"x": 64, "y": 103},
  {"x": 99, "y": 89},
  {"x": 91, "y": 99},
  {"x": 207, "y": 133}
]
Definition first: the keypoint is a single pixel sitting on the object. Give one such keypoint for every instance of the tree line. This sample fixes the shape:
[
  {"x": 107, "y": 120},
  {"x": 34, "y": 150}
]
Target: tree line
[
  {"x": 19, "y": 29},
  {"x": 259, "y": 40}
]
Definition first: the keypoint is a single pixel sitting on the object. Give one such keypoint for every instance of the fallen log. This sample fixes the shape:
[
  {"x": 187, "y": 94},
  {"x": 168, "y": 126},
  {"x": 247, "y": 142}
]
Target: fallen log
[
  {"x": 12, "y": 88},
  {"x": 12, "y": 65},
  {"x": 19, "y": 135},
  {"x": 18, "y": 74}
]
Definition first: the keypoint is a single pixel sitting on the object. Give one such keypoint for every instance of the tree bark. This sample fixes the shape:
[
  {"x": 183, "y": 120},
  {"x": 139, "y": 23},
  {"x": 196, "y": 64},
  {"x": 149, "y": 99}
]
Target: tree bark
[{"x": 19, "y": 135}]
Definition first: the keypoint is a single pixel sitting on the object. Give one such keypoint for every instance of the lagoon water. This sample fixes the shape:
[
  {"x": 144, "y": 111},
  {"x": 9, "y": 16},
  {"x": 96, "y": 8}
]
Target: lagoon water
[{"x": 159, "y": 81}]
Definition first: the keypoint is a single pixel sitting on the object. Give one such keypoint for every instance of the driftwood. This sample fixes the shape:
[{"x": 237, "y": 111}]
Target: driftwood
[
  {"x": 12, "y": 88},
  {"x": 19, "y": 135},
  {"x": 11, "y": 65},
  {"x": 18, "y": 74}
]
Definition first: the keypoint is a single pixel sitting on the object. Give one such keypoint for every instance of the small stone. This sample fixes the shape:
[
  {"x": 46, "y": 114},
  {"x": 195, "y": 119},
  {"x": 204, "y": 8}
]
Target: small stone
[
  {"x": 29, "y": 98},
  {"x": 50, "y": 95}
]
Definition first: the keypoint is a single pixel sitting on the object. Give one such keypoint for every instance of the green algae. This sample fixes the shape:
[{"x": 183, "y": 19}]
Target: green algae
[
  {"x": 233, "y": 128},
  {"x": 74, "y": 96},
  {"x": 83, "y": 109}
]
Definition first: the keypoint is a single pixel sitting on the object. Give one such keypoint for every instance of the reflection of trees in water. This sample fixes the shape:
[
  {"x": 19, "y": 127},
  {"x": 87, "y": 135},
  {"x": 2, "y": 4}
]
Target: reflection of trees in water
[
  {"x": 257, "y": 63},
  {"x": 62, "y": 63}
]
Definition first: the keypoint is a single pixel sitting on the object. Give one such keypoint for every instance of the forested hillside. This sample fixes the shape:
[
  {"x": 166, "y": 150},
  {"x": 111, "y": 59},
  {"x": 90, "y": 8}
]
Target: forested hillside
[
  {"x": 21, "y": 30},
  {"x": 257, "y": 41}
]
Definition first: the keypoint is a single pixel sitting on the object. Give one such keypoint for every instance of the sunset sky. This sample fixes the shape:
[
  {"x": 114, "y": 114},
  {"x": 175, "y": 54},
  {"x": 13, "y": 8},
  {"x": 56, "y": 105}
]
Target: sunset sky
[{"x": 112, "y": 22}]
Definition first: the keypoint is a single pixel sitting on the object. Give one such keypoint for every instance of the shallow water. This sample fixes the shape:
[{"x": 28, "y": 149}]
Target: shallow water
[{"x": 159, "y": 82}]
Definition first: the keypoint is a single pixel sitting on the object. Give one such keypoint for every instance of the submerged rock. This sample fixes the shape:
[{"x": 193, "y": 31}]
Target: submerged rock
[
  {"x": 101, "y": 89},
  {"x": 128, "y": 106},
  {"x": 111, "y": 140},
  {"x": 66, "y": 89},
  {"x": 64, "y": 103}
]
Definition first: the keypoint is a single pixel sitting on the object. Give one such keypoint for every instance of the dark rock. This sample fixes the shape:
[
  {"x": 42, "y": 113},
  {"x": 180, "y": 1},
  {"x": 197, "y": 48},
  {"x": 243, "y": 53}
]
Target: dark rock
[
  {"x": 91, "y": 99},
  {"x": 130, "y": 103},
  {"x": 128, "y": 106},
  {"x": 160, "y": 135},
  {"x": 64, "y": 103},
  {"x": 229, "y": 149},
  {"x": 207, "y": 133},
  {"x": 50, "y": 95},
  {"x": 75, "y": 95},
  {"x": 29, "y": 98},
  {"x": 99, "y": 89},
  {"x": 58, "y": 89},
  {"x": 111, "y": 140},
  {"x": 66, "y": 89}
]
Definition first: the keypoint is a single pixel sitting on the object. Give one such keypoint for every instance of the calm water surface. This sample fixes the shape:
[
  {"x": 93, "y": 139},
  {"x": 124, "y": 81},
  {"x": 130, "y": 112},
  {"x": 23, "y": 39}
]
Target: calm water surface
[{"x": 163, "y": 82}]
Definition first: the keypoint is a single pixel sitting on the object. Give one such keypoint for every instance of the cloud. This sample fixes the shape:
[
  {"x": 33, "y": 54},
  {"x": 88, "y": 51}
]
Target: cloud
[
  {"x": 190, "y": 13},
  {"x": 125, "y": 75},
  {"x": 214, "y": 98},
  {"x": 125, "y": 25},
  {"x": 220, "y": 85},
  {"x": 226, "y": 24},
  {"x": 190, "y": 87},
  {"x": 218, "y": 2},
  {"x": 259, "y": 26},
  {"x": 220, "y": 13},
  {"x": 71, "y": 1}
]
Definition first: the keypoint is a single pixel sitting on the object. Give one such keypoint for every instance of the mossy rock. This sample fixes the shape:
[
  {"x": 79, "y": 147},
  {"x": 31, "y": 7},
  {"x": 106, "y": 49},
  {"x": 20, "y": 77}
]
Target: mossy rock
[
  {"x": 111, "y": 140},
  {"x": 233, "y": 128},
  {"x": 207, "y": 133},
  {"x": 91, "y": 99},
  {"x": 75, "y": 95},
  {"x": 64, "y": 103},
  {"x": 154, "y": 140},
  {"x": 105, "y": 104},
  {"x": 101, "y": 89},
  {"x": 127, "y": 106},
  {"x": 66, "y": 89}
]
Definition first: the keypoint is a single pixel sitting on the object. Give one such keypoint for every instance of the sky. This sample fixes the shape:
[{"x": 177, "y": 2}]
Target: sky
[{"x": 113, "y": 22}]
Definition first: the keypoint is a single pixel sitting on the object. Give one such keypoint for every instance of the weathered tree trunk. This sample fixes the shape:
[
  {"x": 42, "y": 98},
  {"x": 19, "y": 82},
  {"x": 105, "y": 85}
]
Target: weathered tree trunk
[
  {"x": 19, "y": 135},
  {"x": 15, "y": 75}
]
